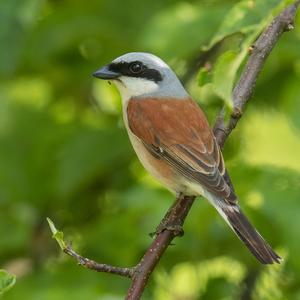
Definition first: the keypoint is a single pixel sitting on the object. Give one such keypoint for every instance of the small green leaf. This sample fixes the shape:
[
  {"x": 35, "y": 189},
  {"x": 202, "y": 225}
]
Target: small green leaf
[
  {"x": 57, "y": 235},
  {"x": 226, "y": 68},
  {"x": 204, "y": 76},
  {"x": 6, "y": 281},
  {"x": 223, "y": 76}
]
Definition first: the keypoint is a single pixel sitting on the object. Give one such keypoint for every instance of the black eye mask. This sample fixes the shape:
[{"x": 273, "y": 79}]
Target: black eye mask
[{"x": 135, "y": 69}]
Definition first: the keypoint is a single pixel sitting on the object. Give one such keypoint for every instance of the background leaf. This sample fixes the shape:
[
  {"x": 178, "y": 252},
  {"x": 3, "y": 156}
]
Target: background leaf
[
  {"x": 248, "y": 18},
  {"x": 7, "y": 281}
]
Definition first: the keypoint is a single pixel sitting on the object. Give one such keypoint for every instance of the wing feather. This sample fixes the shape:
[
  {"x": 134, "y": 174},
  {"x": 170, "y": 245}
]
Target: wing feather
[{"x": 178, "y": 132}]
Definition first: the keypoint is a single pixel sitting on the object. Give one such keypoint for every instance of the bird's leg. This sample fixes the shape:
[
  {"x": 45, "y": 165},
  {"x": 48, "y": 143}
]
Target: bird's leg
[
  {"x": 175, "y": 228},
  {"x": 172, "y": 221}
]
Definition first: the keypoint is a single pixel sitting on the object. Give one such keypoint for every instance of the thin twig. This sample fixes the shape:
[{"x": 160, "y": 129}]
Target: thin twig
[{"x": 92, "y": 265}]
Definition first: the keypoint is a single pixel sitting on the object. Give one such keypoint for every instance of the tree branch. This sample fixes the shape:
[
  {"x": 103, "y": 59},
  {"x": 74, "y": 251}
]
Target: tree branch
[
  {"x": 170, "y": 226},
  {"x": 175, "y": 218}
]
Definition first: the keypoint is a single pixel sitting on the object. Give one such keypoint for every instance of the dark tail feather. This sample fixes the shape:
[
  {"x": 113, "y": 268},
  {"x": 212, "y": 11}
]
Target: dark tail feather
[{"x": 248, "y": 234}]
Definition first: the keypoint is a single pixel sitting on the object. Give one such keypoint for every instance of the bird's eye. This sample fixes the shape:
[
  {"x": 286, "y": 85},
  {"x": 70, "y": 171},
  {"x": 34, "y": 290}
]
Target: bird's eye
[{"x": 136, "y": 67}]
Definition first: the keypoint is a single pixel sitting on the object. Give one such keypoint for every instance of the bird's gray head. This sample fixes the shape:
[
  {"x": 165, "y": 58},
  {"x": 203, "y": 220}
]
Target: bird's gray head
[{"x": 139, "y": 74}]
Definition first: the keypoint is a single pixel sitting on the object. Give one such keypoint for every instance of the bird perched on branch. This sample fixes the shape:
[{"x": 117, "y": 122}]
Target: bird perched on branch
[{"x": 172, "y": 138}]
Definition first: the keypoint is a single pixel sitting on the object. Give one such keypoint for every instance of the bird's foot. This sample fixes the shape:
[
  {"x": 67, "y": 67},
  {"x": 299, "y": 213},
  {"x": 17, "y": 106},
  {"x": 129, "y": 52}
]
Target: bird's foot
[{"x": 175, "y": 228}]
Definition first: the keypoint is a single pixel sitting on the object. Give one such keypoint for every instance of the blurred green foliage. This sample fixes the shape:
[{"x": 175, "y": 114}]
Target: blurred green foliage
[{"x": 64, "y": 153}]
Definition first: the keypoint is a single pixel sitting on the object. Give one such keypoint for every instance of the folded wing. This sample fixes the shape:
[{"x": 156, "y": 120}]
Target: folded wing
[{"x": 178, "y": 132}]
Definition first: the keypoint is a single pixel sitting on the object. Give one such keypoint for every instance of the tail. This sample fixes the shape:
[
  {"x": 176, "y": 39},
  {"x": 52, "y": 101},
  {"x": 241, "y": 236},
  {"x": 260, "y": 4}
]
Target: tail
[{"x": 246, "y": 232}]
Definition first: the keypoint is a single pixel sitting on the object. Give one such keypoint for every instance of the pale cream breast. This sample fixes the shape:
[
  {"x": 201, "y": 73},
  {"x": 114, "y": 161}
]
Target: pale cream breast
[{"x": 158, "y": 168}]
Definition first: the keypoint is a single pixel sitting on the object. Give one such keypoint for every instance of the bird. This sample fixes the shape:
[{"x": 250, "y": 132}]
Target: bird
[{"x": 174, "y": 142}]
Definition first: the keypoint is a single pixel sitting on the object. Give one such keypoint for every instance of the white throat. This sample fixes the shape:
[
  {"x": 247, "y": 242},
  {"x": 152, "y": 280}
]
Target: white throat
[{"x": 134, "y": 87}]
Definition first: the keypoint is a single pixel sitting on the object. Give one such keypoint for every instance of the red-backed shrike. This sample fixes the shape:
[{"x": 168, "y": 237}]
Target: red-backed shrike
[{"x": 172, "y": 138}]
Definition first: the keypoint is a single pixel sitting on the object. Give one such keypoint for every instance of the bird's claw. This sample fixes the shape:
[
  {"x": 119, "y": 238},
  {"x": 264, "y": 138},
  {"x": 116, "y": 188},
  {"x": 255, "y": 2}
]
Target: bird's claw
[{"x": 175, "y": 228}]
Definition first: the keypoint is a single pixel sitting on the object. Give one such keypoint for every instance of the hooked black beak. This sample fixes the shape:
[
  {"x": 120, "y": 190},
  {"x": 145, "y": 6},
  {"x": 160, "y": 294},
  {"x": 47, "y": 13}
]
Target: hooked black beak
[{"x": 106, "y": 73}]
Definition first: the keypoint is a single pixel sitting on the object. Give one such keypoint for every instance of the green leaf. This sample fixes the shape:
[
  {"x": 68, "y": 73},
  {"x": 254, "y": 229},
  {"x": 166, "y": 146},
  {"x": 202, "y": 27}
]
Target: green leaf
[
  {"x": 225, "y": 68},
  {"x": 7, "y": 280},
  {"x": 57, "y": 235},
  {"x": 246, "y": 17},
  {"x": 249, "y": 18},
  {"x": 204, "y": 76}
]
